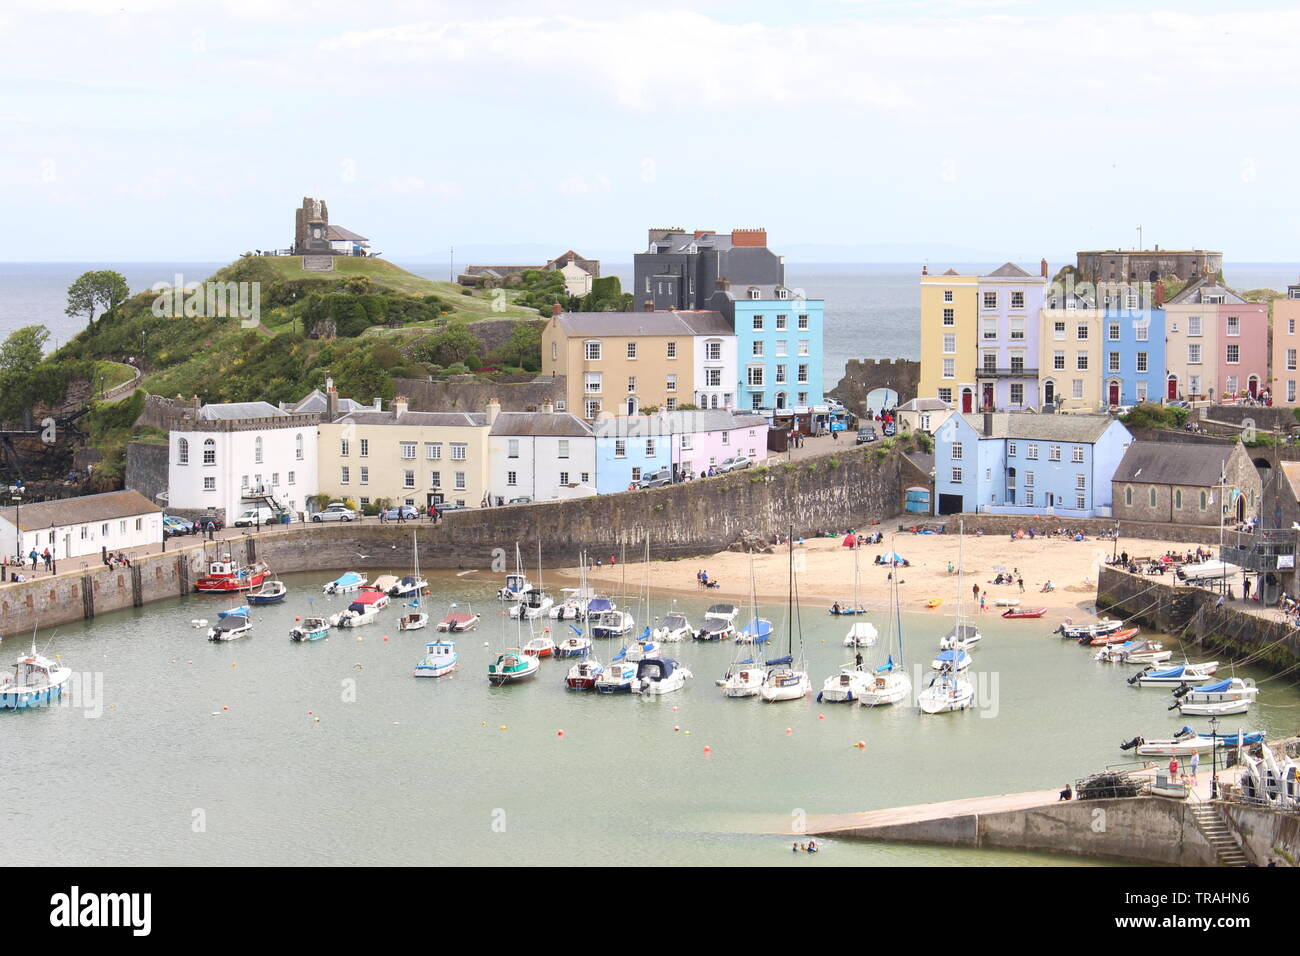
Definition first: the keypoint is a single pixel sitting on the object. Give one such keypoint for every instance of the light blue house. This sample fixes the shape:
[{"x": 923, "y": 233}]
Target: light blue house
[
  {"x": 1024, "y": 463},
  {"x": 629, "y": 448},
  {"x": 1132, "y": 349},
  {"x": 778, "y": 346}
]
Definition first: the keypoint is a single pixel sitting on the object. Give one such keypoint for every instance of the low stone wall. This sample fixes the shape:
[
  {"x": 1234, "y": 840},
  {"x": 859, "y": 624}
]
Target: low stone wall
[
  {"x": 1266, "y": 833},
  {"x": 1006, "y": 524}
]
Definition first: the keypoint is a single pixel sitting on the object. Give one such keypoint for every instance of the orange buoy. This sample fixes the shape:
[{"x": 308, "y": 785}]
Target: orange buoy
[
  {"x": 559, "y": 733},
  {"x": 225, "y": 706},
  {"x": 861, "y": 745},
  {"x": 821, "y": 716},
  {"x": 385, "y": 637},
  {"x": 708, "y": 749},
  {"x": 788, "y": 731}
]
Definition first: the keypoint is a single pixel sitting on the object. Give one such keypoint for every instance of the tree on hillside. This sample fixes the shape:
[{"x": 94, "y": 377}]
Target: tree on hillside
[
  {"x": 523, "y": 349},
  {"x": 454, "y": 345},
  {"x": 21, "y": 352},
  {"x": 102, "y": 289}
]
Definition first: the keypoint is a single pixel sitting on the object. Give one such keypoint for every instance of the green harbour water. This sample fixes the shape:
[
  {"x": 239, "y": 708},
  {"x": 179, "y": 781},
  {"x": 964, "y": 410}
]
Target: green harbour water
[{"x": 266, "y": 752}]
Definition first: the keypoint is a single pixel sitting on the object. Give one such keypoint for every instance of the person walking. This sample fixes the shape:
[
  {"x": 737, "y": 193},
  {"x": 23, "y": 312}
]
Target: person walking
[
  {"x": 1196, "y": 765},
  {"x": 33, "y": 556},
  {"x": 1021, "y": 582},
  {"x": 46, "y": 558},
  {"x": 1245, "y": 589},
  {"x": 981, "y": 600},
  {"x": 975, "y": 591}
]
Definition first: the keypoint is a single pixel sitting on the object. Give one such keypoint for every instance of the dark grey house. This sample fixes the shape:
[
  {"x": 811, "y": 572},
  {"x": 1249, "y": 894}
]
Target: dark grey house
[{"x": 684, "y": 270}]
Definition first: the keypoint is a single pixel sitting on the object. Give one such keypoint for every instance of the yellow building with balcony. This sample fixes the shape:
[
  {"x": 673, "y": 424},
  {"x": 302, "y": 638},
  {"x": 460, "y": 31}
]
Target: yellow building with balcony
[{"x": 949, "y": 343}]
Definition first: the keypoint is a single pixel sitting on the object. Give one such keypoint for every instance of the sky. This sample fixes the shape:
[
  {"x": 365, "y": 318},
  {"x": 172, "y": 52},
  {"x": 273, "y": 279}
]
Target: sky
[{"x": 852, "y": 130}]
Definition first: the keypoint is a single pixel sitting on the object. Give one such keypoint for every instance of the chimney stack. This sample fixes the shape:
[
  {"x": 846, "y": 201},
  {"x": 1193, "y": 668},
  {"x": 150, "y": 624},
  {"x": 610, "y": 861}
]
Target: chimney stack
[
  {"x": 1160, "y": 293},
  {"x": 988, "y": 424},
  {"x": 555, "y": 309},
  {"x": 493, "y": 410},
  {"x": 548, "y": 407},
  {"x": 400, "y": 405},
  {"x": 1042, "y": 268},
  {"x": 331, "y": 400},
  {"x": 378, "y": 404}
]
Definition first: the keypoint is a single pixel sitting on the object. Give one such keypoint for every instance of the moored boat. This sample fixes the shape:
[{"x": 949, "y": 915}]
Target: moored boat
[
  {"x": 673, "y": 628},
  {"x": 440, "y": 658},
  {"x": 386, "y": 583},
  {"x": 225, "y": 576},
  {"x": 271, "y": 592},
  {"x": 364, "y": 609},
  {"x": 861, "y": 634},
  {"x": 1016, "y": 613},
  {"x": 961, "y": 637},
  {"x": 345, "y": 583},
  {"x": 951, "y": 690},
  {"x": 36, "y": 681},
  {"x": 309, "y": 629},
  {"x": 1096, "y": 629},
  {"x": 610, "y": 624},
  {"x": 458, "y": 621},
  {"x": 408, "y": 585},
  {"x": 511, "y": 667},
  {"x": 659, "y": 675},
  {"x": 230, "y": 628},
  {"x": 787, "y": 679},
  {"x": 1187, "y": 742},
  {"x": 582, "y": 675},
  {"x": 953, "y": 659},
  {"x": 515, "y": 586},
  {"x": 1193, "y": 674},
  {"x": 719, "y": 623},
  {"x": 1114, "y": 637},
  {"x": 577, "y": 644}
]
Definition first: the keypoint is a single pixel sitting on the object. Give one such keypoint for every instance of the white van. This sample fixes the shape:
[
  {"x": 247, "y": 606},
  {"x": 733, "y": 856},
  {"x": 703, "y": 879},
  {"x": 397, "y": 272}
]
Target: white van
[{"x": 254, "y": 516}]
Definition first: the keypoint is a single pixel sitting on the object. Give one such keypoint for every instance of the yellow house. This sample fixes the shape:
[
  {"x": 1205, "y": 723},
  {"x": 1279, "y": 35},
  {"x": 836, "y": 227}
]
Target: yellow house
[
  {"x": 406, "y": 457},
  {"x": 949, "y": 326},
  {"x": 620, "y": 362},
  {"x": 1069, "y": 361},
  {"x": 1286, "y": 347}
]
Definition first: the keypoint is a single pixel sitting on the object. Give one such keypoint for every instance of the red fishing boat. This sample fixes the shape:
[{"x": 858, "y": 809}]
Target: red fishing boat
[
  {"x": 1119, "y": 637},
  {"x": 225, "y": 576},
  {"x": 1025, "y": 612}
]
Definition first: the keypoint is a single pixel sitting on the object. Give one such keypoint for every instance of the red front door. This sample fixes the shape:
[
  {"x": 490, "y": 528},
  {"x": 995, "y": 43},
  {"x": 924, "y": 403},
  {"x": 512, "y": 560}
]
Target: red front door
[
  {"x": 966, "y": 400},
  {"x": 1114, "y": 393},
  {"x": 1254, "y": 387},
  {"x": 1173, "y": 388}
]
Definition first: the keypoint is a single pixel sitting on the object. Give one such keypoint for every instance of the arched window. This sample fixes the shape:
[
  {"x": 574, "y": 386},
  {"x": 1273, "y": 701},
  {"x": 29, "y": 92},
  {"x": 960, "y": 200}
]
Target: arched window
[
  {"x": 1178, "y": 499},
  {"x": 257, "y": 449},
  {"x": 182, "y": 452},
  {"x": 209, "y": 452},
  {"x": 1151, "y": 495},
  {"x": 1204, "y": 501},
  {"x": 298, "y": 446},
  {"x": 780, "y": 399},
  {"x": 1128, "y": 495}
]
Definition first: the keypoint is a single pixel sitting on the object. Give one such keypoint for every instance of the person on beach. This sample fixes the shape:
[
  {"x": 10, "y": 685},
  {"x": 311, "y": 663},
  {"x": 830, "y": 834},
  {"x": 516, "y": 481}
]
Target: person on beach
[
  {"x": 981, "y": 600},
  {"x": 1173, "y": 768},
  {"x": 1021, "y": 582},
  {"x": 1196, "y": 765},
  {"x": 975, "y": 591}
]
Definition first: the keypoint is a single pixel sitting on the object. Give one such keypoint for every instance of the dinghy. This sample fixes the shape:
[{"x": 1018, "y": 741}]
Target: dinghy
[
  {"x": 1216, "y": 709},
  {"x": 757, "y": 631},
  {"x": 1171, "y": 677},
  {"x": 1006, "y": 602},
  {"x": 309, "y": 629},
  {"x": 458, "y": 622},
  {"x": 1017, "y": 613},
  {"x": 415, "y": 621},
  {"x": 1114, "y": 637},
  {"x": 1089, "y": 631}
]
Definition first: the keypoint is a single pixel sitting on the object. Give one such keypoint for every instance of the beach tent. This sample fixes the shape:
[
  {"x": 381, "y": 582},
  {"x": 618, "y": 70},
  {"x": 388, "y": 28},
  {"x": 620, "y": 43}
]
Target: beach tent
[
  {"x": 892, "y": 557},
  {"x": 850, "y": 541}
]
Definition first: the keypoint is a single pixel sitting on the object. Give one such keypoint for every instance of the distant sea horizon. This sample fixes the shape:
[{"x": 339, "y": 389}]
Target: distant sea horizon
[{"x": 872, "y": 308}]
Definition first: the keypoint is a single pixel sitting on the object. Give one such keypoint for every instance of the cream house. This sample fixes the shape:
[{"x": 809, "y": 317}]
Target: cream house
[
  {"x": 1069, "y": 361},
  {"x": 406, "y": 457}
]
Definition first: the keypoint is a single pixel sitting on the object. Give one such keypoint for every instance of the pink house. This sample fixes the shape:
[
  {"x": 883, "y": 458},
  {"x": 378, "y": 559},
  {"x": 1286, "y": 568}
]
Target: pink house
[
  {"x": 1243, "y": 346},
  {"x": 710, "y": 437}
]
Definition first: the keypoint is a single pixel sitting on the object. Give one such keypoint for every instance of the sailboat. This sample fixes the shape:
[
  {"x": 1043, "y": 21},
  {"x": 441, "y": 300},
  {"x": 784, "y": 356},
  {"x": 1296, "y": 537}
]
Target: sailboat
[
  {"x": 645, "y": 646},
  {"x": 618, "y": 675},
  {"x": 418, "y": 619},
  {"x": 889, "y": 683},
  {"x": 745, "y": 675},
  {"x": 512, "y": 665},
  {"x": 861, "y": 633},
  {"x": 784, "y": 679},
  {"x": 950, "y": 690},
  {"x": 534, "y": 602}
]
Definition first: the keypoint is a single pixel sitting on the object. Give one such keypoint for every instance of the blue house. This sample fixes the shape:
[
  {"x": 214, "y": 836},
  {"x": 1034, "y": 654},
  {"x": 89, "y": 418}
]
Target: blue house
[
  {"x": 1132, "y": 349},
  {"x": 628, "y": 448},
  {"x": 1023, "y": 463},
  {"x": 778, "y": 346}
]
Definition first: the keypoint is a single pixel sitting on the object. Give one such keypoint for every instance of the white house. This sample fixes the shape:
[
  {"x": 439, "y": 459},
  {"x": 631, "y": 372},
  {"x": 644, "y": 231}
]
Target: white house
[
  {"x": 923, "y": 414},
  {"x": 540, "y": 455},
  {"x": 231, "y": 457},
  {"x": 73, "y": 527},
  {"x": 716, "y": 370}
]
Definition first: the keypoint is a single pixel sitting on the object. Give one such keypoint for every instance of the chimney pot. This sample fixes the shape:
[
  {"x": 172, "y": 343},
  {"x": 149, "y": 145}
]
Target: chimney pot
[
  {"x": 493, "y": 410},
  {"x": 400, "y": 404},
  {"x": 1042, "y": 267},
  {"x": 555, "y": 309},
  {"x": 378, "y": 404}
]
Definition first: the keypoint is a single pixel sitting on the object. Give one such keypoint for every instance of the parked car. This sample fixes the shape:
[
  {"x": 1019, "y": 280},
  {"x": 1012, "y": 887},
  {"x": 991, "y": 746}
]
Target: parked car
[
  {"x": 442, "y": 507},
  {"x": 407, "y": 512},
  {"x": 735, "y": 463},
  {"x": 866, "y": 434},
  {"x": 656, "y": 479},
  {"x": 336, "y": 511},
  {"x": 173, "y": 526},
  {"x": 520, "y": 501},
  {"x": 256, "y": 516}
]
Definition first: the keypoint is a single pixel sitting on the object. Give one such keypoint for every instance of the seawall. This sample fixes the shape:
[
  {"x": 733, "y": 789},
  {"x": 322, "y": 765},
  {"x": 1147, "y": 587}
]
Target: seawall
[{"x": 848, "y": 488}]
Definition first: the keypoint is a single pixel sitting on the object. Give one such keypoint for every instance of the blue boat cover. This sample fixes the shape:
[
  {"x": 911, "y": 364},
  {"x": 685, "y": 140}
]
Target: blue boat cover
[
  {"x": 1215, "y": 688},
  {"x": 656, "y": 668},
  {"x": 955, "y": 656},
  {"x": 759, "y": 630},
  {"x": 745, "y": 663},
  {"x": 620, "y": 655},
  {"x": 575, "y": 630},
  {"x": 645, "y": 635},
  {"x": 781, "y": 660},
  {"x": 1171, "y": 672},
  {"x": 241, "y": 611},
  {"x": 887, "y": 666},
  {"x": 599, "y": 605},
  {"x": 344, "y": 580}
]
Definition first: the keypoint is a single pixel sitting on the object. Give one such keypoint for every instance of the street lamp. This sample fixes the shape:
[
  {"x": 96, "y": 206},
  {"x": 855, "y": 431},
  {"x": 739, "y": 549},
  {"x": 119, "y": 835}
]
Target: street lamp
[
  {"x": 15, "y": 492},
  {"x": 1214, "y": 764}
]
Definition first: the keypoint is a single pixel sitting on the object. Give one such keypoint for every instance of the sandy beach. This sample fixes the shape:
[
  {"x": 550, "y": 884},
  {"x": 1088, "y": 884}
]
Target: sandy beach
[{"x": 824, "y": 571}]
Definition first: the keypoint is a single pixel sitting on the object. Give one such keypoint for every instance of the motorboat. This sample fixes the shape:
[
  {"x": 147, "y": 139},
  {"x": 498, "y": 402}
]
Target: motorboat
[
  {"x": 364, "y": 609},
  {"x": 1234, "y": 688},
  {"x": 534, "y": 604},
  {"x": 569, "y": 609},
  {"x": 440, "y": 658},
  {"x": 1206, "y": 572},
  {"x": 512, "y": 667},
  {"x": 719, "y": 623},
  {"x": 345, "y": 583},
  {"x": 599, "y": 605},
  {"x": 309, "y": 629},
  {"x": 1193, "y": 674},
  {"x": 1137, "y": 651},
  {"x": 659, "y": 675},
  {"x": 861, "y": 634},
  {"x": 1089, "y": 631},
  {"x": 960, "y": 637},
  {"x": 407, "y": 585},
  {"x": 1016, "y": 613},
  {"x": 230, "y": 628},
  {"x": 953, "y": 659},
  {"x": 271, "y": 592},
  {"x": 576, "y": 645},
  {"x": 1187, "y": 742},
  {"x": 386, "y": 583},
  {"x": 1006, "y": 602},
  {"x": 457, "y": 622},
  {"x": 610, "y": 624},
  {"x": 36, "y": 681},
  {"x": 672, "y": 629},
  {"x": 515, "y": 587},
  {"x": 1220, "y": 708},
  {"x": 414, "y": 621},
  {"x": 582, "y": 675},
  {"x": 225, "y": 576}
]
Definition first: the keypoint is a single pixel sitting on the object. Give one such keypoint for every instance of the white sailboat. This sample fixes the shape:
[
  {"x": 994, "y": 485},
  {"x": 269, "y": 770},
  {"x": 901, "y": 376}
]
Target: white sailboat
[
  {"x": 746, "y": 673},
  {"x": 861, "y": 633},
  {"x": 418, "y": 618},
  {"x": 951, "y": 689},
  {"x": 889, "y": 683},
  {"x": 617, "y": 676},
  {"x": 787, "y": 679}
]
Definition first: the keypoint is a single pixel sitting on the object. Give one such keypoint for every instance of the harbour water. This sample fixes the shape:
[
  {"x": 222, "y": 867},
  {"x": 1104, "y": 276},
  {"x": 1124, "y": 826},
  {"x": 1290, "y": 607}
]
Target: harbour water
[{"x": 267, "y": 752}]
